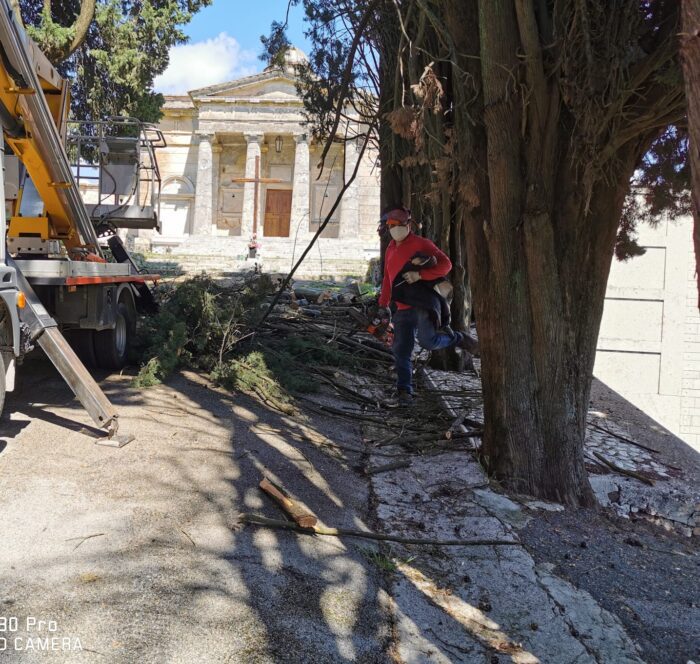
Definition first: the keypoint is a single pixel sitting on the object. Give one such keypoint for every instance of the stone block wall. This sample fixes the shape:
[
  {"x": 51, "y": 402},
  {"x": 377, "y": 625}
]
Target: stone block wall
[
  {"x": 690, "y": 386},
  {"x": 368, "y": 192},
  {"x": 649, "y": 342}
]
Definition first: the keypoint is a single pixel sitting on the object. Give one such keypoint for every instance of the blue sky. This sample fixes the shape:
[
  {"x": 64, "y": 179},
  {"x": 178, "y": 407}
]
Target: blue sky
[
  {"x": 225, "y": 43},
  {"x": 246, "y": 20}
]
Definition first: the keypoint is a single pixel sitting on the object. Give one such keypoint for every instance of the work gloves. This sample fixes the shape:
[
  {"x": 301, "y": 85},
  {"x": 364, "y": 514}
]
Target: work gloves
[{"x": 411, "y": 277}]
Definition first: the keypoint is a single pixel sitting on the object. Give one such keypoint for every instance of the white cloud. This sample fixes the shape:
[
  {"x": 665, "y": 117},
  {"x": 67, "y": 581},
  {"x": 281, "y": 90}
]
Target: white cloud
[{"x": 205, "y": 63}]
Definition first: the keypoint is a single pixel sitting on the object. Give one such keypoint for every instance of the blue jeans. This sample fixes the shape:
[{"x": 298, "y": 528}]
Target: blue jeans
[{"x": 408, "y": 322}]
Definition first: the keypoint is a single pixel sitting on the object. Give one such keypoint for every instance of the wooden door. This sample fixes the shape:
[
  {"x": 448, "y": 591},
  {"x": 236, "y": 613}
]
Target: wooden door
[{"x": 278, "y": 211}]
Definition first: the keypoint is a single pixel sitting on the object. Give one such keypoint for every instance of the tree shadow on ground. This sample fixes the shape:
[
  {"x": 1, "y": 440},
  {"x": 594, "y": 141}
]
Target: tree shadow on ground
[
  {"x": 607, "y": 404},
  {"x": 147, "y": 543}
]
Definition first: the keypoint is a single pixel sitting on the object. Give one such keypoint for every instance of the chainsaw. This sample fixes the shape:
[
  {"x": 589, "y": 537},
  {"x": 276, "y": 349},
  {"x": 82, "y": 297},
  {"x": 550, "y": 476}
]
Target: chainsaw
[{"x": 380, "y": 328}]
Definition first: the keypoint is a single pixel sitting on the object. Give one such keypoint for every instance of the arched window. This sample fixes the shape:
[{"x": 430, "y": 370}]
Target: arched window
[{"x": 177, "y": 186}]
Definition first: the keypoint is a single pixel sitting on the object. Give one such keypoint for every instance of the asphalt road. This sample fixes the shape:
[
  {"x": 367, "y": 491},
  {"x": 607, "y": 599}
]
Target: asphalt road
[{"x": 134, "y": 554}]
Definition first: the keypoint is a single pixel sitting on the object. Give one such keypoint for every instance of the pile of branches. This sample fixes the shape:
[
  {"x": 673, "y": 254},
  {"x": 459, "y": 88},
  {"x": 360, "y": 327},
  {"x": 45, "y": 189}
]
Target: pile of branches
[
  {"x": 310, "y": 342},
  {"x": 199, "y": 323},
  {"x": 362, "y": 377},
  {"x": 215, "y": 328}
]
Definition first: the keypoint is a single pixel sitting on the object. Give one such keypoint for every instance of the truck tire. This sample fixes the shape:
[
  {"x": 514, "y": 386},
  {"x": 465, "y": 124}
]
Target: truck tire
[
  {"x": 83, "y": 343},
  {"x": 112, "y": 346},
  {"x": 5, "y": 340}
]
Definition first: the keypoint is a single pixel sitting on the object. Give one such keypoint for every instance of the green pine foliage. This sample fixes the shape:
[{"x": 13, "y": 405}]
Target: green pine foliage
[
  {"x": 198, "y": 326},
  {"x": 124, "y": 49},
  {"x": 207, "y": 327}
]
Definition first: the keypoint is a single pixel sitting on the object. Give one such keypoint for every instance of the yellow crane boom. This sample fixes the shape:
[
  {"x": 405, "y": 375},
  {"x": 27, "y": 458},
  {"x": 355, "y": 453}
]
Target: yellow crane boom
[{"x": 34, "y": 104}]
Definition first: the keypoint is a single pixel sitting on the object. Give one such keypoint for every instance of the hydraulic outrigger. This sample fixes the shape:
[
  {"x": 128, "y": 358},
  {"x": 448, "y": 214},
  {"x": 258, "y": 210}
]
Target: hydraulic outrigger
[{"x": 53, "y": 272}]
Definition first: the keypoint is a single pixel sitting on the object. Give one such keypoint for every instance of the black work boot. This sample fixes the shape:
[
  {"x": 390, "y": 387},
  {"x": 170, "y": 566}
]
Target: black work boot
[
  {"x": 405, "y": 398},
  {"x": 469, "y": 343}
]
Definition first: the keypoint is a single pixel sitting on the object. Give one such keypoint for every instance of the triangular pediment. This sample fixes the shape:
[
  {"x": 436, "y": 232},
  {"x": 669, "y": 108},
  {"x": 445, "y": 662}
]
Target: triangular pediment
[{"x": 274, "y": 85}]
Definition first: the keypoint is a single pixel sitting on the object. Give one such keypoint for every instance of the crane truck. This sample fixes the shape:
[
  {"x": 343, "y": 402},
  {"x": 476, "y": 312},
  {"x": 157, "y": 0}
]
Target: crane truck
[{"x": 67, "y": 282}]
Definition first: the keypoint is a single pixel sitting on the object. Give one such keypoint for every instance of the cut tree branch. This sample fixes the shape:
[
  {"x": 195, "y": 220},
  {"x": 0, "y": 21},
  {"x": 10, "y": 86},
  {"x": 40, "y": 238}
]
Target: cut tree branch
[
  {"x": 347, "y": 77},
  {"x": 81, "y": 25},
  {"x": 258, "y": 520}
]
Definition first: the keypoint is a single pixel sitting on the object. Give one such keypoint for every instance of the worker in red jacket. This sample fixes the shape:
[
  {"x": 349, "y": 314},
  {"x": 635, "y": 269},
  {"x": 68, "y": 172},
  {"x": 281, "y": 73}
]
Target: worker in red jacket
[{"x": 411, "y": 320}]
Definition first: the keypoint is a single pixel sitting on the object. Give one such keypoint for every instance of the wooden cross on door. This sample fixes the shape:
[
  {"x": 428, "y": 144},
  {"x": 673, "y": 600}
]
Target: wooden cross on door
[{"x": 257, "y": 180}]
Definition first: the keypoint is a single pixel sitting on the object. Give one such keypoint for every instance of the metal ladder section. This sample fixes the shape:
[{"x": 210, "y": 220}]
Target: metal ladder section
[{"x": 44, "y": 328}]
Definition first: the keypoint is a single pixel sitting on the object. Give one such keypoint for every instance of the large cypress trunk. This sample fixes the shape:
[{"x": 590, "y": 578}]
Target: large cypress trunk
[
  {"x": 538, "y": 323},
  {"x": 690, "y": 49},
  {"x": 390, "y": 146},
  {"x": 540, "y": 230}
]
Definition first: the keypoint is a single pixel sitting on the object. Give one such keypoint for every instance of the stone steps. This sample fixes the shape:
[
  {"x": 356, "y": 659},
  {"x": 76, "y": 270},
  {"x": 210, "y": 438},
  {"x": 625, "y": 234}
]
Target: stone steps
[{"x": 175, "y": 265}]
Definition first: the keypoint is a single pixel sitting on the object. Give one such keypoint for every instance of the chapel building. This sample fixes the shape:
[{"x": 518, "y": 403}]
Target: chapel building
[{"x": 241, "y": 172}]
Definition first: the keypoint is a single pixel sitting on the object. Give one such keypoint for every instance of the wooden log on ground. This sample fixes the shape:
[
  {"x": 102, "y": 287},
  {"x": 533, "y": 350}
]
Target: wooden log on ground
[
  {"x": 345, "y": 532},
  {"x": 302, "y": 517},
  {"x": 623, "y": 471}
]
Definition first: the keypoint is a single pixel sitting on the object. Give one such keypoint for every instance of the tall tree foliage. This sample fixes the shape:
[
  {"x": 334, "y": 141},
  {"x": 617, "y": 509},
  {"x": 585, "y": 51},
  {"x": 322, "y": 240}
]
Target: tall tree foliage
[
  {"x": 357, "y": 70},
  {"x": 690, "y": 41},
  {"x": 533, "y": 116},
  {"x": 110, "y": 49}
]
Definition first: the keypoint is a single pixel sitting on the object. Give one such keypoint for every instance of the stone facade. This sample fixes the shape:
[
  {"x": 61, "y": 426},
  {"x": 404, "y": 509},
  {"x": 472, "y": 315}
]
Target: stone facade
[
  {"x": 649, "y": 342},
  {"x": 215, "y": 138}
]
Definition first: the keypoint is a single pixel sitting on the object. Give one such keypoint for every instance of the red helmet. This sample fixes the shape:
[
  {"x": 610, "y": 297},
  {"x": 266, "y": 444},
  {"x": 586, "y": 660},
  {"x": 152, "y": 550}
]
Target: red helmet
[{"x": 400, "y": 216}]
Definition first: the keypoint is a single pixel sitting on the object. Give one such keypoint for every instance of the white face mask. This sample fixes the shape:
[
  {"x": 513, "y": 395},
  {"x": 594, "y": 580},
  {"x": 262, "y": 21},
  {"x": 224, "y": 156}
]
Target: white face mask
[{"x": 399, "y": 233}]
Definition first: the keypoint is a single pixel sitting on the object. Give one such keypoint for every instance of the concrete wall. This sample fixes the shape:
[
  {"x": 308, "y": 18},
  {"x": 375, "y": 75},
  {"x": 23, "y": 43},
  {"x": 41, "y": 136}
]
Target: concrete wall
[
  {"x": 649, "y": 342},
  {"x": 690, "y": 380}
]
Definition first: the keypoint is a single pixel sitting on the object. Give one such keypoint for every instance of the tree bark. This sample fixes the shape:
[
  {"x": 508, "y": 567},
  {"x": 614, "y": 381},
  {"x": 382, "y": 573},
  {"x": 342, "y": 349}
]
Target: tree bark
[
  {"x": 81, "y": 26},
  {"x": 539, "y": 250},
  {"x": 390, "y": 145},
  {"x": 535, "y": 387},
  {"x": 551, "y": 116},
  {"x": 690, "y": 52}
]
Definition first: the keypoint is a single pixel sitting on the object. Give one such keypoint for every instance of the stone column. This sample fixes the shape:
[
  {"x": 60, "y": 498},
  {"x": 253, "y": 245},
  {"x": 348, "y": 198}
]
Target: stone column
[
  {"x": 301, "y": 208},
  {"x": 252, "y": 151},
  {"x": 204, "y": 195},
  {"x": 350, "y": 206},
  {"x": 216, "y": 149}
]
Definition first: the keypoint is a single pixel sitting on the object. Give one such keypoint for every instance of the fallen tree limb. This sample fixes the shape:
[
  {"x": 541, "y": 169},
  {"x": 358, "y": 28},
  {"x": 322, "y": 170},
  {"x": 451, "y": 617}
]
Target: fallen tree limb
[
  {"x": 256, "y": 519},
  {"x": 283, "y": 408},
  {"x": 622, "y": 438},
  {"x": 385, "y": 356},
  {"x": 431, "y": 437},
  {"x": 623, "y": 471},
  {"x": 454, "y": 427},
  {"x": 303, "y": 518}
]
